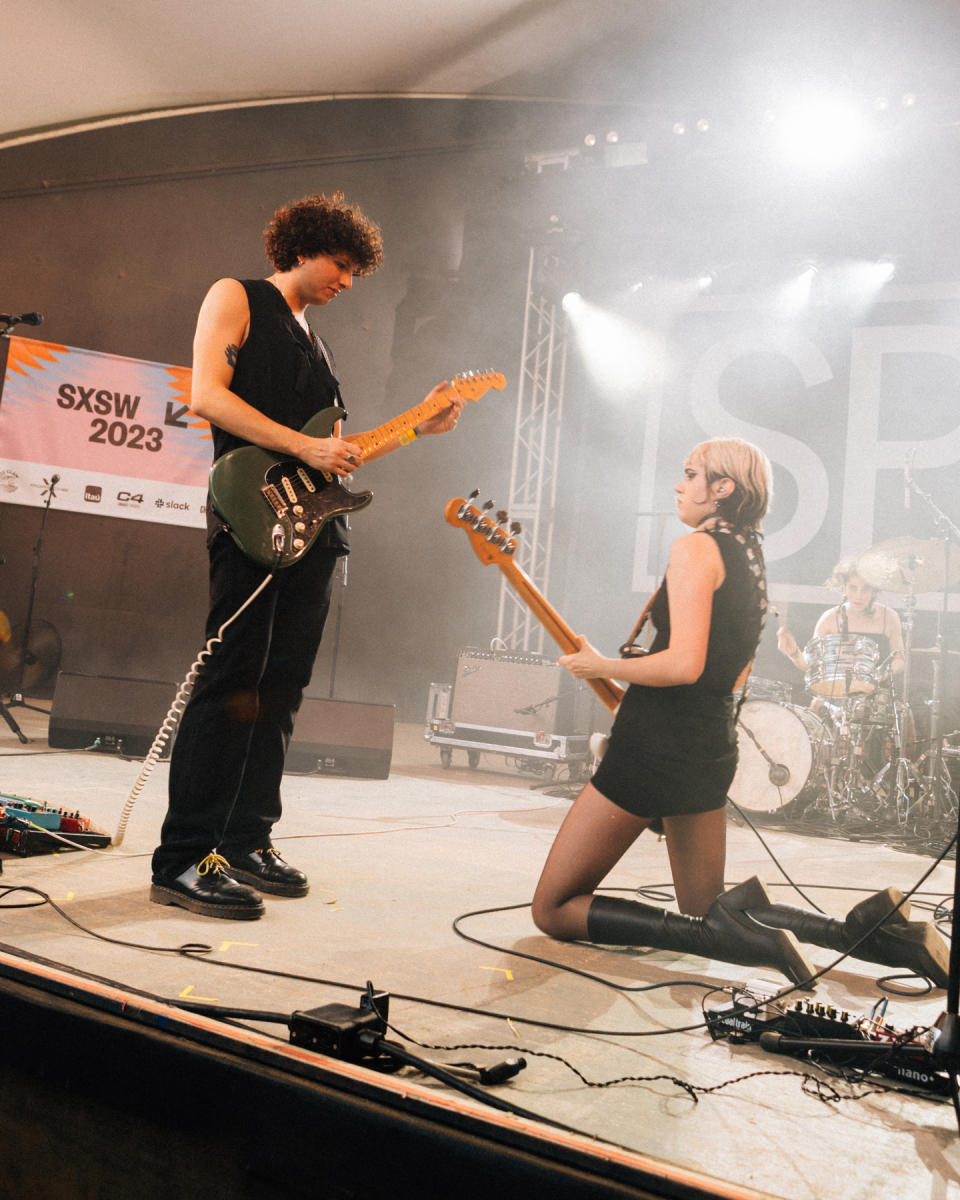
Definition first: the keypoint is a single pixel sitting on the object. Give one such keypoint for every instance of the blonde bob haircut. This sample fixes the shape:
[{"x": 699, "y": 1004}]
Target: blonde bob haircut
[
  {"x": 749, "y": 468},
  {"x": 843, "y": 572}
]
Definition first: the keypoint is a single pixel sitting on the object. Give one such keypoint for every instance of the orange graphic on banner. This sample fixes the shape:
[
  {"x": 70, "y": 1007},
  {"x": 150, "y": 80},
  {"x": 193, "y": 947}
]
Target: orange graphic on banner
[
  {"x": 24, "y": 353},
  {"x": 182, "y": 377}
]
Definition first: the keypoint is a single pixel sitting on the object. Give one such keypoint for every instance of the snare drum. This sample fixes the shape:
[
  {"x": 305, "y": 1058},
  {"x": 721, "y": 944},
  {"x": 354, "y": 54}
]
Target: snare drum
[
  {"x": 842, "y": 665},
  {"x": 769, "y": 689},
  {"x": 781, "y": 750}
]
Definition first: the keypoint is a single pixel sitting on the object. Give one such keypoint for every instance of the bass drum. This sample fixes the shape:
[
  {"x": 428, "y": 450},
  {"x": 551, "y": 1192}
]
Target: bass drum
[{"x": 781, "y": 749}]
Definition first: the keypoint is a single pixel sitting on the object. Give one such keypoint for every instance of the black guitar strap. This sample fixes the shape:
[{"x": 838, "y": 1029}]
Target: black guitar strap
[{"x": 630, "y": 649}]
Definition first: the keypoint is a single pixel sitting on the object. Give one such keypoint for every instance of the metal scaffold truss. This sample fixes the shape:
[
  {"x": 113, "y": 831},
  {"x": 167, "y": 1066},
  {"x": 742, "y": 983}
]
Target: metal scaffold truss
[{"x": 534, "y": 470}]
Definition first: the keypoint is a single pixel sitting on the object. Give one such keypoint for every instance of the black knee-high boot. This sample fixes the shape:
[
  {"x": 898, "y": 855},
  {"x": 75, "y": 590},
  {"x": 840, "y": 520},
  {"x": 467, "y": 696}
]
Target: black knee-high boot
[
  {"x": 898, "y": 942},
  {"x": 727, "y": 932}
]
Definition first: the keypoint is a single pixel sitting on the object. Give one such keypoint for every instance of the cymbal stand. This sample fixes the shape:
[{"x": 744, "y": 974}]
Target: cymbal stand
[
  {"x": 5, "y": 713},
  {"x": 906, "y": 793},
  {"x": 937, "y": 776}
]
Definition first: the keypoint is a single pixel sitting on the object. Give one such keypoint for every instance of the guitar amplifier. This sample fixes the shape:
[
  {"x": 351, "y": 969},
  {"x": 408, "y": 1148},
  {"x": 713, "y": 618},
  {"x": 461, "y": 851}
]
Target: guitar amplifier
[{"x": 524, "y": 692}]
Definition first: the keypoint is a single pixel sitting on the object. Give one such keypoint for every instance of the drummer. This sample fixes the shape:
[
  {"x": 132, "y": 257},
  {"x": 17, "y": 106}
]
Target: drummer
[{"x": 860, "y": 614}]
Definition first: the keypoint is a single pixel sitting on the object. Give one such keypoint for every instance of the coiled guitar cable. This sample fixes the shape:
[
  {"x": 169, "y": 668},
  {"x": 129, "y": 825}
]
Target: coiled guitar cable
[{"x": 172, "y": 719}]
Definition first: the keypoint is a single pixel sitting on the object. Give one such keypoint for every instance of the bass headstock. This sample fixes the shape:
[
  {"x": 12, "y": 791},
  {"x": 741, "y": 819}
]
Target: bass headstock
[
  {"x": 491, "y": 542},
  {"x": 473, "y": 384}
]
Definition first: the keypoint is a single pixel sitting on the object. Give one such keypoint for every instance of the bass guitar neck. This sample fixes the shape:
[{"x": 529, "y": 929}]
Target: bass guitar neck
[{"x": 493, "y": 544}]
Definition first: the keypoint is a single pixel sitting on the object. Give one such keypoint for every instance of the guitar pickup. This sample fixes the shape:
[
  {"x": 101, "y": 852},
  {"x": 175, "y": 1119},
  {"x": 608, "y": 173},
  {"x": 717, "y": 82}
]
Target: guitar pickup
[
  {"x": 305, "y": 479},
  {"x": 274, "y": 499},
  {"x": 289, "y": 488}
]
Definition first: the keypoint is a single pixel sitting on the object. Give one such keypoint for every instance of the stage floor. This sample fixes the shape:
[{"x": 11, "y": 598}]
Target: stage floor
[{"x": 394, "y": 862}]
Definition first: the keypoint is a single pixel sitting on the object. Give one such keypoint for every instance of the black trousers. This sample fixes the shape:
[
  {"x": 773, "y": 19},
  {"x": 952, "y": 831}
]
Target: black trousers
[{"x": 227, "y": 760}]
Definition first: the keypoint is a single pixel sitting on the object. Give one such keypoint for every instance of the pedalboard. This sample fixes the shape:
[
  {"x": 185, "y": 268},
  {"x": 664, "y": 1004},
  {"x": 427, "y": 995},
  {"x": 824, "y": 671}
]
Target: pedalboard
[
  {"x": 827, "y": 1036},
  {"x": 30, "y": 827}
]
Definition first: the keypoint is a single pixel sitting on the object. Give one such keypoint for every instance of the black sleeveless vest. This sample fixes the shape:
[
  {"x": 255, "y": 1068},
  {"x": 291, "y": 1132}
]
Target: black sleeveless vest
[{"x": 282, "y": 371}]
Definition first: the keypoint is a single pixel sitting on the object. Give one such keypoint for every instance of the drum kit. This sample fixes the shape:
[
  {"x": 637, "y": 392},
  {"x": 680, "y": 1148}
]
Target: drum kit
[{"x": 852, "y": 758}]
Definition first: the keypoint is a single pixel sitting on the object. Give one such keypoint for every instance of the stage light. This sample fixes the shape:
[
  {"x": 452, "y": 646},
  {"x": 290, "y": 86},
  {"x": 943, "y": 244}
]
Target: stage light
[
  {"x": 612, "y": 137},
  {"x": 621, "y": 358},
  {"x": 705, "y": 281},
  {"x": 820, "y": 134},
  {"x": 857, "y": 283},
  {"x": 703, "y": 125},
  {"x": 797, "y": 292},
  {"x": 590, "y": 139},
  {"x": 679, "y": 128},
  {"x": 885, "y": 269},
  {"x": 571, "y": 302},
  {"x": 908, "y": 99}
]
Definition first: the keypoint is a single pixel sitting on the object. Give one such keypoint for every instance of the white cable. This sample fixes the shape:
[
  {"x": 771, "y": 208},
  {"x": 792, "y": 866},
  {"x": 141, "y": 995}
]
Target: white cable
[{"x": 172, "y": 719}]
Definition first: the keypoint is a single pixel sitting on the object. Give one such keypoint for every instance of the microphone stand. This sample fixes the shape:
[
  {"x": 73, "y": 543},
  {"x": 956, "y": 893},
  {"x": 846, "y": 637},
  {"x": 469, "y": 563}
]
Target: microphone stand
[
  {"x": 337, "y": 623},
  {"x": 945, "y": 1038},
  {"x": 17, "y": 699}
]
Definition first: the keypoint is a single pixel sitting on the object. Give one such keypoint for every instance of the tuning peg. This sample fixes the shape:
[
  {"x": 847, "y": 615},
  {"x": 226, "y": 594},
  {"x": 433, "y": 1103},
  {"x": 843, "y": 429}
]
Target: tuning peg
[
  {"x": 488, "y": 505},
  {"x": 501, "y": 515},
  {"x": 515, "y": 528}
]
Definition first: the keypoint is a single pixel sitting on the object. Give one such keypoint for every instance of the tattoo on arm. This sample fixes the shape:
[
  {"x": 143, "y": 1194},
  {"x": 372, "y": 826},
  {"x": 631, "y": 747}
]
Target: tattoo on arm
[{"x": 231, "y": 353}]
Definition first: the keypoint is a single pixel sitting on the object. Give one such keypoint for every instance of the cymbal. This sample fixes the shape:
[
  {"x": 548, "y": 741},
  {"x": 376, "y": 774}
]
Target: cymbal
[
  {"x": 930, "y": 651},
  {"x": 909, "y": 565},
  {"x": 40, "y": 659}
]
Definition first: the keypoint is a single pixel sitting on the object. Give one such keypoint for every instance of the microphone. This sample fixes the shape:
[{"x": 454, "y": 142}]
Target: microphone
[
  {"x": 32, "y": 318},
  {"x": 864, "y": 1052}
]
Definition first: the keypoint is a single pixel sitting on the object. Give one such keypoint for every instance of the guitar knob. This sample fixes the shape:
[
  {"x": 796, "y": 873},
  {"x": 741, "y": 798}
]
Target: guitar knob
[
  {"x": 300, "y": 527},
  {"x": 298, "y": 543},
  {"x": 298, "y": 509}
]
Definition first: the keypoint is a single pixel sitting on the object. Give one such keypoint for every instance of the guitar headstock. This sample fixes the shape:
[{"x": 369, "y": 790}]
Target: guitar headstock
[
  {"x": 490, "y": 541},
  {"x": 473, "y": 384}
]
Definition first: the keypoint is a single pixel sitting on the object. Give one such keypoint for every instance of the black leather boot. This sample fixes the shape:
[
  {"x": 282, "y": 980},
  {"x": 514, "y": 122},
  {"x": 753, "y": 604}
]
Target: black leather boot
[
  {"x": 267, "y": 872},
  {"x": 727, "y": 932},
  {"x": 898, "y": 942},
  {"x": 207, "y": 889}
]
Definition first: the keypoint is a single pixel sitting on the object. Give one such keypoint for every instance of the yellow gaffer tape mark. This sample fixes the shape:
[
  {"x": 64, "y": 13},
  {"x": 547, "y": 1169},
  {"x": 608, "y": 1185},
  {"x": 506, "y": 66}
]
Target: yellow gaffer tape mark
[
  {"x": 188, "y": 993},
  {"x": 63, "y": 899},
  {"x": 505, "y": 970},
  {"x": 227, "y": 945}
]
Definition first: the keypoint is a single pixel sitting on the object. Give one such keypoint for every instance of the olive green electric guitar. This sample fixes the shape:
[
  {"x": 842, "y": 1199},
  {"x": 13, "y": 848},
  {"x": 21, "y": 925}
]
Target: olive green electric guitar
[{"x": 275, "y": 507}]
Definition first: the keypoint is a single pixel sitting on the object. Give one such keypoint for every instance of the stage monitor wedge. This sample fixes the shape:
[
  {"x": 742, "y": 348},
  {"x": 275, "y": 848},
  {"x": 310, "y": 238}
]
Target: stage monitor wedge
[
  {"x": 342, "y": 737},
  {"x": 109, "y": 712}
]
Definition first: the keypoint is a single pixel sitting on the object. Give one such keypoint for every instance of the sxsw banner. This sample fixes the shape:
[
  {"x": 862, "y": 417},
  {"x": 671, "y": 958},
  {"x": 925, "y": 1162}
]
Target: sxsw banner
[{"x": 117, "y": 431}]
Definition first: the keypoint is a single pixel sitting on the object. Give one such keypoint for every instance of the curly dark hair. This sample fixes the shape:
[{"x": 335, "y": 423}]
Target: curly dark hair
[{"x": 323, "y": 225}]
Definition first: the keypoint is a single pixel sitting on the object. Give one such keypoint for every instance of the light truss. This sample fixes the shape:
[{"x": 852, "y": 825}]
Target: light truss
[{"x": 534, "y": 470}]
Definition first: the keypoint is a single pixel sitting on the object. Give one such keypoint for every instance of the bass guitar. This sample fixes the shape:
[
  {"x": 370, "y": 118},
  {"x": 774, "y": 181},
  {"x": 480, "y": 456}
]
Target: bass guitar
[
  {"x": 275, "y": 507},
  {"x": 493, "y": 544}
]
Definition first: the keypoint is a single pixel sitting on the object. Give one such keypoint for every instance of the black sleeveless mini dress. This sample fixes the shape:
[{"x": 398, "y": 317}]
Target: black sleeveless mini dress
[{"x": 673, "y": 750}]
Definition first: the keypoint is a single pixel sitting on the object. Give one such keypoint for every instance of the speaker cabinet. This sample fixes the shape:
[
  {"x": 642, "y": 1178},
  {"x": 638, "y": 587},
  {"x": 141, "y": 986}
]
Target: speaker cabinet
[
  {"x": 122, "y": 714},
  {"x": 520, "y": 692},
  {"x": 341, "y": 737}
]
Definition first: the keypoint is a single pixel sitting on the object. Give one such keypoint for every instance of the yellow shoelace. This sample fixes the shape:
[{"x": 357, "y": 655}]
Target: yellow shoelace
[{"x": 213, "y": 862}]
